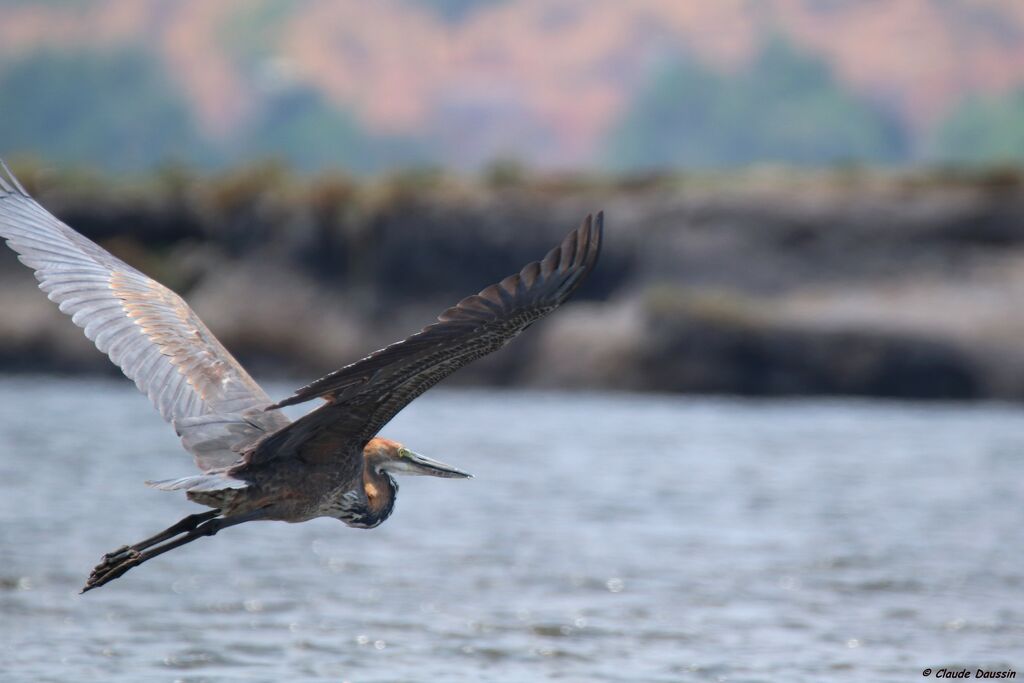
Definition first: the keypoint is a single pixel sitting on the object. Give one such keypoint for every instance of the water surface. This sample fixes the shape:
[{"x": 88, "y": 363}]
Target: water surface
[{"x": 604, "y": 538}]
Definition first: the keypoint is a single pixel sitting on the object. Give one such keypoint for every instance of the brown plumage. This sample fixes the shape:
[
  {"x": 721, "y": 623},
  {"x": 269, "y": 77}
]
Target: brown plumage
[{"x": 256, "y": 464}]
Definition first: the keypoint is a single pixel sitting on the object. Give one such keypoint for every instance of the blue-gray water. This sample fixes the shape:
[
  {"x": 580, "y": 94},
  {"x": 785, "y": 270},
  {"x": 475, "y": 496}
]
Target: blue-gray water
[{"x": 604, "y": 538}]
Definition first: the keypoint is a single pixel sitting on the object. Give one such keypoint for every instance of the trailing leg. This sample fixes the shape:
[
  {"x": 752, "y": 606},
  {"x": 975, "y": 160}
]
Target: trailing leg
[
  {"x": 194, "y": 526},
  {"x": 187, "y": 524}
]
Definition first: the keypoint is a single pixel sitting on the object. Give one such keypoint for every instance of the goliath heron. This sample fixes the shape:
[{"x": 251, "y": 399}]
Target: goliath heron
[{"x": 255, "y": 463}]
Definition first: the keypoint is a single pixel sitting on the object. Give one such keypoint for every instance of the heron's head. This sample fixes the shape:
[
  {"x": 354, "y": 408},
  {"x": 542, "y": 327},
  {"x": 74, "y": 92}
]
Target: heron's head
[{"x": 385, "y": 455}]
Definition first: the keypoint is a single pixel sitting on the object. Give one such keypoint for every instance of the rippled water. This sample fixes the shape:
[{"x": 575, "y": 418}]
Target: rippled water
[{"x": 604, "y": 538}]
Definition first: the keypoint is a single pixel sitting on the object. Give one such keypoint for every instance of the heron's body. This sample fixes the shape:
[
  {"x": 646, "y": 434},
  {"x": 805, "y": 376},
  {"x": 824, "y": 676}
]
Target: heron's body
[
  {"x": 255, "y": 463},
  {"x": 295, "y": 491}
]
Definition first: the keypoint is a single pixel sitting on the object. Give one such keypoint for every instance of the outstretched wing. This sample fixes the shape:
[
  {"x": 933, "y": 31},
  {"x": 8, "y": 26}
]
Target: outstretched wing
[
  {"x": 146, "y": 329},
  {"x": 364, "y": 396}
]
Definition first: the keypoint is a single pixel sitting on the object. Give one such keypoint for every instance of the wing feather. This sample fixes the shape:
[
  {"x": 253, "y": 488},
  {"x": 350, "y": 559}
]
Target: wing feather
[
  {"x": 146, "y": 329},
  {"x": 364, "y": 396}
]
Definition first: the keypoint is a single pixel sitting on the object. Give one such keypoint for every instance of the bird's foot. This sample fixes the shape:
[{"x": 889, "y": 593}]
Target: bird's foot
[
  {"x": 115, "y": 556},
  {"x": 114, "y": 564}
]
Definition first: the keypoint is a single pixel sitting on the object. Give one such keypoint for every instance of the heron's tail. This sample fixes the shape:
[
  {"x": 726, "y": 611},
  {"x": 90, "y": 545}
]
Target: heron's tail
[
  {"x": 199, "y": 483},
  {"x": 213, "y": 489}
]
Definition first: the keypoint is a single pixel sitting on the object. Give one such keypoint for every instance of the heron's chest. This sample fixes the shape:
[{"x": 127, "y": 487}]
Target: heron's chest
[
  {"x": 362, "y": 507},
  {"x": 339, "y": 502}
]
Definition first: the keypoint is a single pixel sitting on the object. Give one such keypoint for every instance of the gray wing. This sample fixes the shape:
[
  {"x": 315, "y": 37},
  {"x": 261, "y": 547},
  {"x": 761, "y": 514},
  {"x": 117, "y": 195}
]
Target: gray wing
[
  {"x": 364, "y": 396},
  {"x": 146, "y": 329}
]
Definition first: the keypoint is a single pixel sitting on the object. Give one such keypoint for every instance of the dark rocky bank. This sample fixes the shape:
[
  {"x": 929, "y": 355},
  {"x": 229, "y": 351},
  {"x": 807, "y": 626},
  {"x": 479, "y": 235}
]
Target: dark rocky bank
[{"x": 762, "y": 283}]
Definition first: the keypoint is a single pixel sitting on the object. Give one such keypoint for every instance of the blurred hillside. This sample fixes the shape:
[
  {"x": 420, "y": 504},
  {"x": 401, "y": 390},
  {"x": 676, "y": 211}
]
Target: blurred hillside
[
  {"x": 554, "y": 84},
  {"x": 757, "y": 282}
]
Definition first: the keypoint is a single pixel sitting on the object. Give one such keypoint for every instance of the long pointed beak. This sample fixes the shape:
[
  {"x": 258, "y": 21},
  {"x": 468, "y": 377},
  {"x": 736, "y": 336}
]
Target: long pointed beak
[{"x": 421, "y": 464}]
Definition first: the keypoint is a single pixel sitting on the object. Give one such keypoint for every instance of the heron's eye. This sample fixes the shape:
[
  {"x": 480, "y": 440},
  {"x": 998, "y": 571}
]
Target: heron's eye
[{"x": 403, "y": 452}]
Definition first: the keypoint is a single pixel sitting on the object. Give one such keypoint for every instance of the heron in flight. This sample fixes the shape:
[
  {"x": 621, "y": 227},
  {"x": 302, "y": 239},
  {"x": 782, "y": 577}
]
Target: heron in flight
[{"x": 255, "y": 463}]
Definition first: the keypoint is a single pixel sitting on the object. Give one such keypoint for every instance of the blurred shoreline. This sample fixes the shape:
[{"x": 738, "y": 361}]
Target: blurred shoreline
[{"x": 763, "y": 282}]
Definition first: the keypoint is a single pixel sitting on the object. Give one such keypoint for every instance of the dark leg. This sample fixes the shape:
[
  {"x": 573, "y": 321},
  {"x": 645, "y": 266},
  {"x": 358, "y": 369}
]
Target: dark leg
[
  {"x": 120, "y": 561},
  {"x": 187, "y": 524}
]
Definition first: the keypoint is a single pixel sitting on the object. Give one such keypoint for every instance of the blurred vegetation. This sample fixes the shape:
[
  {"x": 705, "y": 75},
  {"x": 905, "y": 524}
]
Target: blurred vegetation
[
  {"x": 786, "y": 107},
  {"x": 454, "y": 9},
  {"x": 299, "y": 127},
  {"x": 252, "y": 32},
  {"x": 119, "y": 110},
  {"x": 77, "y": 107},
  {"x": 983, "y": 131}
]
